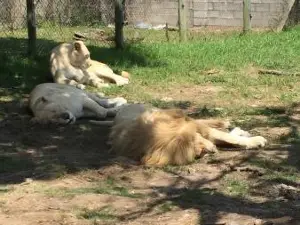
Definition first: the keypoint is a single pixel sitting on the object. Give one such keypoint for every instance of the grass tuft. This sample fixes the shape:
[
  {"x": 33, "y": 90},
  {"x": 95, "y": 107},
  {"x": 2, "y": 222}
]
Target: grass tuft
[{"x": 103, "y": 213}]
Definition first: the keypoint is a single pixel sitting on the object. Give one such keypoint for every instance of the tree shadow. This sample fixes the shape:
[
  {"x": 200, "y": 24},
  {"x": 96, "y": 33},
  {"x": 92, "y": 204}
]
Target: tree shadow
[
  {"x": 212, "y": 204},
  {"x": 22, "y": 73},
  {"x": 17, "y": 71},
  {"x": 280, "y": 117},
  {"x": 48, "y": 151},
  {"x": 198, "y": 112},
  {"x": 131, "y": 56}
]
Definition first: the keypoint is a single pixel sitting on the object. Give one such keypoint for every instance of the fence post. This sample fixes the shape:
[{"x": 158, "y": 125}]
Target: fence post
[
  {"x": 182, "y": 20},
  {"x": 119, "y": 23},
  {"x": 31, "y": 27},
  {"x": 246, "y": 16}
]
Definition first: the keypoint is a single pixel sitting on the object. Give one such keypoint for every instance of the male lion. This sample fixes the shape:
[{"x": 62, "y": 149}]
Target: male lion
[
  {"x": 63, "y": 104},
  {"x": 158, "y": 137},
  {"x": 70, "y": 63}
]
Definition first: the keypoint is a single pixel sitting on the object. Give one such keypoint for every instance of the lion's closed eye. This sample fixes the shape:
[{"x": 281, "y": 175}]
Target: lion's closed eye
[{"x": 65, "y": 116}]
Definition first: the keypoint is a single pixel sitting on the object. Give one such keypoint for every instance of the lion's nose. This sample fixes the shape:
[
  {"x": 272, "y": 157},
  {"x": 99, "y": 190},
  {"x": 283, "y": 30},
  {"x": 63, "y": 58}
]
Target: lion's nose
[{"x": 65, "y": 116}]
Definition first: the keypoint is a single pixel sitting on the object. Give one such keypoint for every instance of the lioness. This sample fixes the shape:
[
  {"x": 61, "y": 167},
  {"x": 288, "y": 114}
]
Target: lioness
[
  {"x": 158, "y": 137},
  {"x": 70, "y": 63},
  {"x": 63, "y": 104}
]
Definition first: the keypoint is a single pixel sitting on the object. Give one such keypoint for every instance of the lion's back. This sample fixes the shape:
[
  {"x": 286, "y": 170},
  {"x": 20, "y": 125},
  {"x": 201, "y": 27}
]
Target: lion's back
[
  {"x": 60, "y": 94},
  {"x": 59, "y": 57}
]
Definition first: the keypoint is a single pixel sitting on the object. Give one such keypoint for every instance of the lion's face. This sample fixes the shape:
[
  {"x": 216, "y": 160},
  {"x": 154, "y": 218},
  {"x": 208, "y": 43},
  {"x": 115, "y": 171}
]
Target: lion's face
[
  {"x": 80, "y": 55},
  {"x": 50, "y": 112},
  {"x": 61, "y": 117}
]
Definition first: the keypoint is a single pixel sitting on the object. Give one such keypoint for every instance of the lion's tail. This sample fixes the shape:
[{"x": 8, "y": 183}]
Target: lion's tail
[{"x": 102, "y": 123}]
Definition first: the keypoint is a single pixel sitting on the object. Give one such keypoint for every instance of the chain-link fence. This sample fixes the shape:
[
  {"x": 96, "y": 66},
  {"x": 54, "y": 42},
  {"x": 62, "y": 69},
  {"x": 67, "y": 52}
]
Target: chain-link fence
[{"x": 92, "y": 20}]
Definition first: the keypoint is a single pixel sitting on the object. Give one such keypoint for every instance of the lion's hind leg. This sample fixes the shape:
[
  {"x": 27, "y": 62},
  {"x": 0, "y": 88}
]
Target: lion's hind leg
[
  {"x": 92, "y": 108},
  {"x": 61, "y": 79},
  {"x": 108, "y": 102},
  {"x": 96, "y": 82},
  {"x": 239, "y": 132}
]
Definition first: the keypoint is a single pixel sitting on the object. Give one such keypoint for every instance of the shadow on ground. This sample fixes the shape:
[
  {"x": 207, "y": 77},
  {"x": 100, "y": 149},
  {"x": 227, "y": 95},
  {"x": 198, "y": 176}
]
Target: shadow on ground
[
  {"x": 47, "y": 152},
  {"x": 20, "y": 73},
  {"x": 264, "y": 170}
]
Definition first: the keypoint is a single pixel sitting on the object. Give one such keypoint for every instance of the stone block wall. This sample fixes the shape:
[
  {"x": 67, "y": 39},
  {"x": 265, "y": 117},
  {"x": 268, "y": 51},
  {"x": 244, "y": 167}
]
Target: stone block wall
[{"x": 265, "y": 13}]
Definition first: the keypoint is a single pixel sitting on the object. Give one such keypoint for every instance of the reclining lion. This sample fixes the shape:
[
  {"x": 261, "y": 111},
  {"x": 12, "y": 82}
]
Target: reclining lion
[
  {"x": 158, "y": 137},
  {"x": 70, "y": 63},
  {"x": 63, "y": 104}
]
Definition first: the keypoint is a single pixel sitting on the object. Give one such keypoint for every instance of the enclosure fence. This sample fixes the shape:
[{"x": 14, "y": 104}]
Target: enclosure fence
[
  {"x": 109, "y": 22},
  {"x": 93, "y": 20}
]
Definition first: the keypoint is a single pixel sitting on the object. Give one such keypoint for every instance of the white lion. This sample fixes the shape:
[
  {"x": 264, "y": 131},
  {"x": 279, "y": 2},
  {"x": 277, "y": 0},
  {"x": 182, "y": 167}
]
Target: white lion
[
  {"x": 70, "y": 63},
  {"x": 63, "y": 104}
]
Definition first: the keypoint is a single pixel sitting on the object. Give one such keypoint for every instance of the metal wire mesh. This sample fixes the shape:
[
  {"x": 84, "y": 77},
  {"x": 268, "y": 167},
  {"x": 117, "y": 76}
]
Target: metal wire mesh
[
  {"x": 145, "y": 17},
  {"x": 93, "y": 20},
  {"x": 12, "y": 16}
]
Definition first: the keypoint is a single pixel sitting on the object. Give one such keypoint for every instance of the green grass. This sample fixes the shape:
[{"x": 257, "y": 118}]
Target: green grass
[
  {"x": 4, "y": 189},
  {"x": 275, "y": 171},
  {"x": 166, "y": 207},
  {"x": 159, "y": 62},
  {"x": 236, "y": 187},
  {"x": 103, "y": 213},
  {"x": 161, "y": 69}
]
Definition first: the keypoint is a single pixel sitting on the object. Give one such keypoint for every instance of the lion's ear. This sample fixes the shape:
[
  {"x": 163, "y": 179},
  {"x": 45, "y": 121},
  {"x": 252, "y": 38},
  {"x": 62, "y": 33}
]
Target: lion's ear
[{"x": 77, "y": 46}]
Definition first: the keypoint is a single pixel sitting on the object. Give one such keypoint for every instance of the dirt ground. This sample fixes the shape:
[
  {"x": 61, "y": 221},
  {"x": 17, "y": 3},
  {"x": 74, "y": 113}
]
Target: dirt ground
[{"x": 65, "y": 175}]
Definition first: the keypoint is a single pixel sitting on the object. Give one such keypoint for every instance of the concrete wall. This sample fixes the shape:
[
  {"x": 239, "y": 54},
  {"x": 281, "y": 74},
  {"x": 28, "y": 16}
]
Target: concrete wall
[
  {"x": 152, "y": 11},
  {"x": 265, "y": 13}
]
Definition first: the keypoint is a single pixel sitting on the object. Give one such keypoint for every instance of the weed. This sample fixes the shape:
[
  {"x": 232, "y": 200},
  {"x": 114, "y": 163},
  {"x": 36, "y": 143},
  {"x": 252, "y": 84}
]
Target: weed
[{"x": 103, "y": 213}]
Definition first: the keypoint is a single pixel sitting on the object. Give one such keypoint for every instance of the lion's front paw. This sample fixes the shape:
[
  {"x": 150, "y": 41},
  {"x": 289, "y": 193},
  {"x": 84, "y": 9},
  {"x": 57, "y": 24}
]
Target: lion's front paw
[
  {"x": 80, "y": 86},
  {"x": 102, "y": 85},
  {"x": 122, "y": 81},
  {"x": 256, "y": 142},
  {"x": 100, "y": 94},
  {"x": 118, "y": 101},
  {"x": 210, "y": 147},
  {"x": 239, "y": 132}
]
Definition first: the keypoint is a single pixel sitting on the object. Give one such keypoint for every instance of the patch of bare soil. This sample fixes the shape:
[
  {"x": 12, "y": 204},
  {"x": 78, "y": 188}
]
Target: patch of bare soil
[
  {"x": 190, "y": 93},
  {"x": 65, "y": 175}
]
